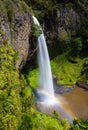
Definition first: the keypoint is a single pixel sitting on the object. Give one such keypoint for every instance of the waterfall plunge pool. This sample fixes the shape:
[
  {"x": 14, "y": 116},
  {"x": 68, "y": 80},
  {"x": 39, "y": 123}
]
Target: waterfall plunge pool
[{"x": 69, "y": 105}]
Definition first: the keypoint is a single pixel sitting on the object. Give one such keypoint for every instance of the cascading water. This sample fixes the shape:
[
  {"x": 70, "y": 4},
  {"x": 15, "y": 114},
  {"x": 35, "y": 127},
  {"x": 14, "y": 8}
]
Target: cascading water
[
  {"x": 46, "y": 99},
  {"x": 45, "y": 75}
]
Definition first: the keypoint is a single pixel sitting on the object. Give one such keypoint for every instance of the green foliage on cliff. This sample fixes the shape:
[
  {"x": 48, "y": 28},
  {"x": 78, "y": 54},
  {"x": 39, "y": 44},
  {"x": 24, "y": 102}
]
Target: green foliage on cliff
[
  {"x": 64, "y": 69},
  {"x": 81, "y": 6},
  {"x": 10, "y": 104},
  {"x": 8, "y": 8},
  {"x": 84, "y": 72},
  {"x": 64, "y": 39},
  {"x": 79, "y": 125},
  {"x": 45, "y": 6},
  {"x": 63, "y": 36},
  {"x": 32, "y": 78},
  {"x": 76, "y": 47},
  {"x": 17, "y": 110},
  {"x": 36, "y": 31}
]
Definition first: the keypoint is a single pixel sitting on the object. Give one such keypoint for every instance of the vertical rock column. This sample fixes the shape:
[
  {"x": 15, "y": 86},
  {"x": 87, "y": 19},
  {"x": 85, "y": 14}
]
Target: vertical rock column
[{"x": 22, "y": 31}]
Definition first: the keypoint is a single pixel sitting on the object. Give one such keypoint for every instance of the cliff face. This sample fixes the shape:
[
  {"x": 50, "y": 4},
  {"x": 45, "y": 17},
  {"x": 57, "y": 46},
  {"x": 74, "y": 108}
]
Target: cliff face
[
  {"x": 15, "y": 27},
  {"x": 4, "y": 31},
  {"x": 60, "y": 26},
  {"x": 20, "y": 36},
  {"x": 68, "y": 19},
  {"x": 60, "y": 22},
  {"x": 22, "y": 31}
]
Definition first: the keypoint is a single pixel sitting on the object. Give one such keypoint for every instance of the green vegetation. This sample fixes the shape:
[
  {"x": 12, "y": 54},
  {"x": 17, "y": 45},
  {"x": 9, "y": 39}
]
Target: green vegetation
[
  {"x": 8, "y": 11},
  {"x": 79, "y": 125},
  {"x": 41, "y": 7},
  {"x": 63, "y": 69},
  {"x": 10, "y": 86},
  {"x": 16, "y": 98},
  {"x": 84, "y": 73},
  {"x": 9, "y": 8},
  {"x": 64, "y": 39},
  {"x": 32, "y": 78},
  {"x": 63, "y": 36},
  {"x": 36, "y": 30},
  {"x": 76, "y": 47},
  {"x": 17, "y": 109}
]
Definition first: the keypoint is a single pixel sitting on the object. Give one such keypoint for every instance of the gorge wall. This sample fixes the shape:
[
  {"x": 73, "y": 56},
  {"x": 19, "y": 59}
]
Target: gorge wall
[
  {"x": 15, "y": 27},
  {"x": 60, "y": 22},
  {"x": 60, "y": 26}
]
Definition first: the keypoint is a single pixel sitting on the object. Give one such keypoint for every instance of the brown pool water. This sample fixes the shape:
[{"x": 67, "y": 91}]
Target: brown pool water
[
  {"x": 69, "y": 105},
  {"x": 77, "y": 100}
]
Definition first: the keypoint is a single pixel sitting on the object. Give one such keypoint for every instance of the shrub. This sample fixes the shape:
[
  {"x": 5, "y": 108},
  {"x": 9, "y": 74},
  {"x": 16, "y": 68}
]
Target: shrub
[{"x": 76, "y": 46}]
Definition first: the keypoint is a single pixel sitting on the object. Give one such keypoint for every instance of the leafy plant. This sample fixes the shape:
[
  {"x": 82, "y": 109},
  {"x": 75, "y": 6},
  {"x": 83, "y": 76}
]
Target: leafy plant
[
  {"x": 36, "y": 31},
  {"x": 76, "y": 46},
  {"x": 10, "y": 105},
  {"x": 79, "y": 125}
]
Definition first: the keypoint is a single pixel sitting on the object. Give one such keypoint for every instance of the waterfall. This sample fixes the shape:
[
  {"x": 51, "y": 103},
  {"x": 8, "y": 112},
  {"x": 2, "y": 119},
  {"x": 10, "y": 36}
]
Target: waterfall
[
  {"x": 45, "y": 75},
  {"x": 47, "y": 102}
]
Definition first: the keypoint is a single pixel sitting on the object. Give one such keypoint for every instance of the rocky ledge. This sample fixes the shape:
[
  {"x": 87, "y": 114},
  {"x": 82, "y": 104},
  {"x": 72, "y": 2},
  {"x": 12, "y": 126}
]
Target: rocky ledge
[
  {"x": 82, "y": 85},
  {"x": 60, "y": 89}
]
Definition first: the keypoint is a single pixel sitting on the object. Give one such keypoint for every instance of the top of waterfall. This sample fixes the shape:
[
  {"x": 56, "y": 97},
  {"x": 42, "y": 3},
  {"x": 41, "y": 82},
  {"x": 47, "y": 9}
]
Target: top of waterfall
[
  {"x": 35, "y": 20},
  {"x": 37, "y": 23}
]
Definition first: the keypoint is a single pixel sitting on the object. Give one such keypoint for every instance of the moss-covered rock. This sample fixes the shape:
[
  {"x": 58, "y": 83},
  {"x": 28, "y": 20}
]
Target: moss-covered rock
[{"x": 66, "y": 71}]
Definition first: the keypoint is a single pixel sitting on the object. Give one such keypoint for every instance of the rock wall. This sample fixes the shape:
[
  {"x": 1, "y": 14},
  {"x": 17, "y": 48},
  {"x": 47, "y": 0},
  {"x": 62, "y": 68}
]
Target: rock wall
[
  {"x": 68, "y": 19},
  {"x": 59, "y": 27},
  {"x": 4, "y": 30},
  {"x": 19, "y": 37},
  {"x": 22, "y": 31},
  {"x": 15, "y": 27}
]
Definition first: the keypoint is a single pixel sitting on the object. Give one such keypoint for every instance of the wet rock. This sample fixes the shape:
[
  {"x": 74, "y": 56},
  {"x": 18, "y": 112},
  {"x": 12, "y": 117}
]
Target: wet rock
[
  {"x": 60, "y": 89},
  {"x": 82, "y": 85}
]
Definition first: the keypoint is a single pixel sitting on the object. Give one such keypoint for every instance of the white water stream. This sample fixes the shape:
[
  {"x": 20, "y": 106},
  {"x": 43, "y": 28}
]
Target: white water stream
[{"x": 45, "y": 75}]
